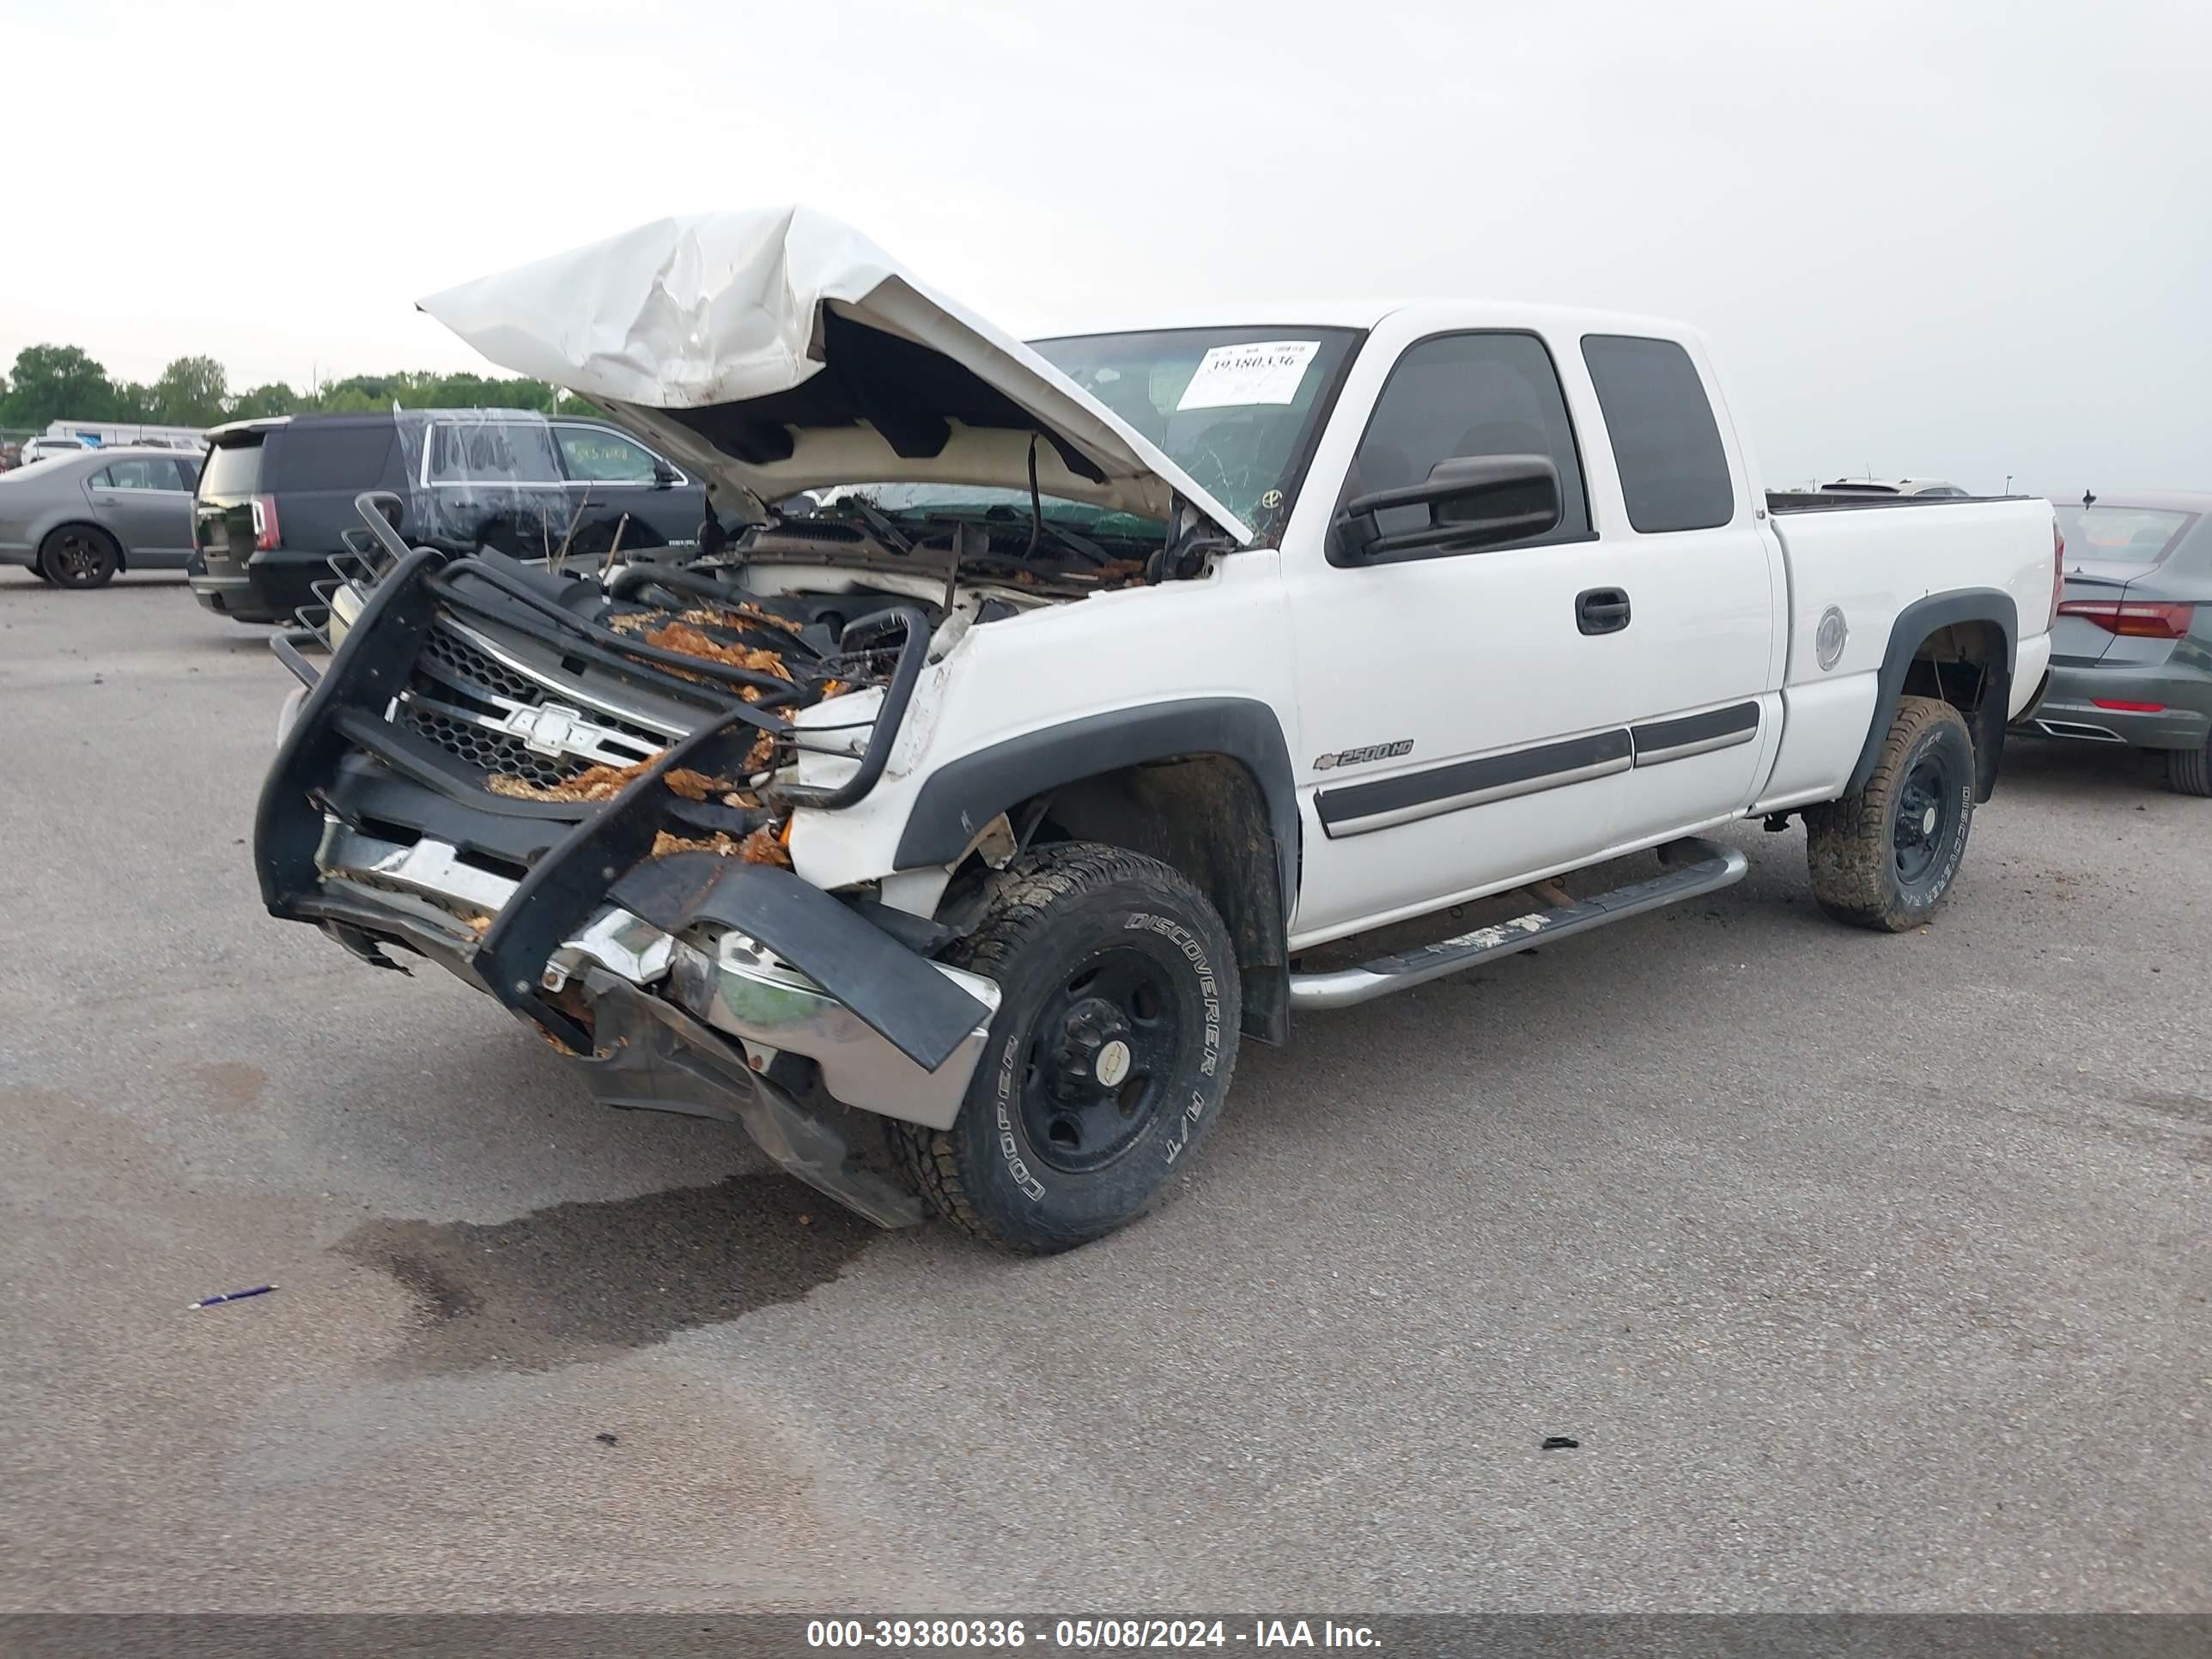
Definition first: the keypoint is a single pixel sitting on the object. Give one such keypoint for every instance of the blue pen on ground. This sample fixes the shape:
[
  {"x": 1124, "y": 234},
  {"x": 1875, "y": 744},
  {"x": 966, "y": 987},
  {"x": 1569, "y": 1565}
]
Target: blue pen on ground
[{"x": 231, "y": 1296}]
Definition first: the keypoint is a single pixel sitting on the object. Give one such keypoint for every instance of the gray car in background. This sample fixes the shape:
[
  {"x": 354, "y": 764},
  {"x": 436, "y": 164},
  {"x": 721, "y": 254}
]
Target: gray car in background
[
  {"x": 2131, "y": 653},
  {"x": 76, "y": 519}
]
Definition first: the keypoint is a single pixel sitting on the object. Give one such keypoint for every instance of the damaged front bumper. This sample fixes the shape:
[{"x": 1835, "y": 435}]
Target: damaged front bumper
[
  {"x": 699, "y": 1025},
  {"x": 690, "y": 982}
]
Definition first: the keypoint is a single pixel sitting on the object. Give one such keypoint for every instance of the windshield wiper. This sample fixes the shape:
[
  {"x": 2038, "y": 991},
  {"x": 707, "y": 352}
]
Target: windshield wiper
[
  {"x": 884, "y": 527},
  {"x": 1036, "y": 519}
]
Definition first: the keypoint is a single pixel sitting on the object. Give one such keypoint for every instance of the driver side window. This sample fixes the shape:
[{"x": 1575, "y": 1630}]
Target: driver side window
[{"x": 1461, "y": 395}]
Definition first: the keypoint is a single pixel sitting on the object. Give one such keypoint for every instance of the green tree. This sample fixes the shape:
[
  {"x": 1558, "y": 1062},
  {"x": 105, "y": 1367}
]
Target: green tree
[
  {"x": 348, "y": 398},
  {"x": 192, "y": 391},
  {"x": 274, "y": 399},
  {"x": 57, "y": 382}
]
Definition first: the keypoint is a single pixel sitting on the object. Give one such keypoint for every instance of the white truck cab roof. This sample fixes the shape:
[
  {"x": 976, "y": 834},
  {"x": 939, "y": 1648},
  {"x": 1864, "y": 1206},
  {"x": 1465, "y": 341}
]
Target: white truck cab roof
[{"x": 778, "y": 350}]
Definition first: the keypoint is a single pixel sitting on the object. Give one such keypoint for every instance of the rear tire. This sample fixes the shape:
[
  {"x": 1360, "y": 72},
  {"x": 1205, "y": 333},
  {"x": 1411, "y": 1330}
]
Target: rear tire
[
  {"x": 79, "y": 555},
  {"x": 2190, "y": 770},
  {"x": 1109, "y": 1058},
  {"x": 1886, "y": 856}
]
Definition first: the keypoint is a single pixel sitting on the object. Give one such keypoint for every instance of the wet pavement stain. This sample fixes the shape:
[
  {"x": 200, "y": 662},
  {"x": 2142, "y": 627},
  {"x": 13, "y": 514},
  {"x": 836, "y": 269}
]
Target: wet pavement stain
[
  {"x": 231, "y": 1086},
  {"x": 2190, "y": 1109},
  {"x": 587, "y": 1280}
]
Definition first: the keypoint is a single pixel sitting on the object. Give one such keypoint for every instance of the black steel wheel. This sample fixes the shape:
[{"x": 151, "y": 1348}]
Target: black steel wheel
[
  {"x": 1108, "y": 1059},
  {"x": 1929, "y": 804},
  {"x": 80, "y": 556},
  {"x": 1885, "y": 856},
  {"x": 1101, "y": 1054}
]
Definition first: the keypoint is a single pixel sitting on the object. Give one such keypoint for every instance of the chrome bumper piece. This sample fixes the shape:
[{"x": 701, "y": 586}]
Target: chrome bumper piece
[{"x": 733, "y": 986}]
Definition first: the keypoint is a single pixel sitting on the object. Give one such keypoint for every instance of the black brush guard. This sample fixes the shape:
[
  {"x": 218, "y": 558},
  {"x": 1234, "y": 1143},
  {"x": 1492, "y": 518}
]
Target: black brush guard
[{"x": 343, "y": 757}]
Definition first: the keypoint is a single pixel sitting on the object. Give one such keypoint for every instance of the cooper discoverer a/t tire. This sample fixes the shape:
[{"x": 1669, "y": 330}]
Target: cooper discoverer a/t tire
[
  {"x": 1108, "y": 1059},
  {"x": 1885, "y": 856}
]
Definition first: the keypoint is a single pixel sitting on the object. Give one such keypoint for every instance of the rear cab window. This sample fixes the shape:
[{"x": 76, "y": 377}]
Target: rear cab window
[{"x": 1665, "y": 444}]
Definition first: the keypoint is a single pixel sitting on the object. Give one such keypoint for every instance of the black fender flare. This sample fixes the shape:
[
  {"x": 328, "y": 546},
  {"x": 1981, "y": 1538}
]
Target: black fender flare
[
  {"x": 963, "y": 795},
  {"x": 1914, "y": 624}
]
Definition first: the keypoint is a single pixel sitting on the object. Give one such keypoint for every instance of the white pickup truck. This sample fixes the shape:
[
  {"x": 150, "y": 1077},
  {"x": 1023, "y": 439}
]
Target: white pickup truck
[{"x": 1048, "y": 703}]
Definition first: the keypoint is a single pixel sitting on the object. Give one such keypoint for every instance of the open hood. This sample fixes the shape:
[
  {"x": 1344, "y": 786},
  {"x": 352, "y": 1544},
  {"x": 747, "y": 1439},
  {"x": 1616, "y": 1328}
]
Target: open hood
[{"x": 776, "y": 350}]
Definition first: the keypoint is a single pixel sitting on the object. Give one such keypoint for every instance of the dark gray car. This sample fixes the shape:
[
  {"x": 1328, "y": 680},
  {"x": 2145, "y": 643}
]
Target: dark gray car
[
  {"x": 77, "y": 520},
  {"x": 2131, "y": 653}
]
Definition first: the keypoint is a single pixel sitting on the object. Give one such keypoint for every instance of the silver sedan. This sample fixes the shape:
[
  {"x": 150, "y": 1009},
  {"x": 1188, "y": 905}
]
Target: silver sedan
[{"x": 76, "y": 519}]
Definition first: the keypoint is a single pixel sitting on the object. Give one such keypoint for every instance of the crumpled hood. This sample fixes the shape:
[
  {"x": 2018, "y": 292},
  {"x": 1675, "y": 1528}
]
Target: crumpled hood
[{"x": 777, "y": 349}]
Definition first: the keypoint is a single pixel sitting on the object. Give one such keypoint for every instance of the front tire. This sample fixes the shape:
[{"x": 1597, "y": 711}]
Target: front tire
[
  {"x": 79, "y": 555},
  {"x": 2190, "y": 770},
  {"x": 1885, "y": 857},
  {"x": 1109, "y": 1058}
]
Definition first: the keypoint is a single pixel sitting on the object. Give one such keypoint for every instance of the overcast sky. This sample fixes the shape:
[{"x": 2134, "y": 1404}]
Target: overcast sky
[{"x": 1962, "y": 239}]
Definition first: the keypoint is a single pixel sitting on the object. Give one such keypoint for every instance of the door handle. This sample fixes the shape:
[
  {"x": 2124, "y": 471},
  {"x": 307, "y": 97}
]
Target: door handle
[{"x": 1601, "y": 611}]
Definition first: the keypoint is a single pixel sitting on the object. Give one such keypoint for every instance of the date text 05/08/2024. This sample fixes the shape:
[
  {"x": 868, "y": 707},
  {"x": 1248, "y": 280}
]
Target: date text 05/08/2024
[{"x": 1087, "y": 1635}]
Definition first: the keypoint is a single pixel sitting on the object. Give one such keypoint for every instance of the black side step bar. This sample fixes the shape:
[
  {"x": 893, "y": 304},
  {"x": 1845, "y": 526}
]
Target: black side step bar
[{"x": 1697, "y": 867}]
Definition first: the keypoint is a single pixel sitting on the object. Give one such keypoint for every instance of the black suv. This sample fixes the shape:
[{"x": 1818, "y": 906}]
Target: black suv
[{"x": 276, "y": 496}]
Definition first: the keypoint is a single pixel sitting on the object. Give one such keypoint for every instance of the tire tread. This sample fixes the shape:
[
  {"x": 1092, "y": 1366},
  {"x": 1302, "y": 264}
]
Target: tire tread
[
  {"x": 2190, "y": 770},
  {"x": 1847, "y": 845},
  {"x": 1022, "y": 899}
]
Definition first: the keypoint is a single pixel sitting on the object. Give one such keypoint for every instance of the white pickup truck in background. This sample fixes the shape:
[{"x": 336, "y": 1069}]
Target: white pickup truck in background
[{"x": 993, "y": 796}]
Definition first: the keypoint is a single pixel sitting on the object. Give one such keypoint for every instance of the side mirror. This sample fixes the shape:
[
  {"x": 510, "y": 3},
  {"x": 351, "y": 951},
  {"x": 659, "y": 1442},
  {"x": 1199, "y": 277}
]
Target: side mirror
[
  {"x": 663, "y": 476},
  {"x": 1474, "y": 501}
]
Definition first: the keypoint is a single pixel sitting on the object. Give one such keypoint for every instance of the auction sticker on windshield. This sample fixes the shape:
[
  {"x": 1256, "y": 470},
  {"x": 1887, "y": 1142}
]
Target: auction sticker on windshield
[{"x": 1265, "y": 371}]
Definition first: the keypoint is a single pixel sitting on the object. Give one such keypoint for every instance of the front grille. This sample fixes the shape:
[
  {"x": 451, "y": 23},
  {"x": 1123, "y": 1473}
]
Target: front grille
[
  {"x": 447, "y": 658},
  {"x": 464, "y": 662},
  {"x": 488, "y": 751}
]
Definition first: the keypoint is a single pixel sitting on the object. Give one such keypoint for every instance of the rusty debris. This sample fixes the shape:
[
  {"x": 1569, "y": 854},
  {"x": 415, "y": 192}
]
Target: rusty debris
[
  {"x": 695, "y": 785},
  {"x": 762, "y": 846},
  {"x": 736, "y": 617},
  {"x": 687, "y": 639},
  {"x": 598, "y": 783},
  {"x": 725, "y": 846},
  {"x": 594, "y": 783}
]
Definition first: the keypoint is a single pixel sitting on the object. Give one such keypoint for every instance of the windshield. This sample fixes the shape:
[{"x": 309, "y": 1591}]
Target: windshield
[{"x": 1236, "y": 408}]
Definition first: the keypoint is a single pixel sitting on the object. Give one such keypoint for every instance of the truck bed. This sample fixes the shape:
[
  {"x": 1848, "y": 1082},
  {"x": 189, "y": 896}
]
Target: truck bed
[{"x": 1870, "y": 569}]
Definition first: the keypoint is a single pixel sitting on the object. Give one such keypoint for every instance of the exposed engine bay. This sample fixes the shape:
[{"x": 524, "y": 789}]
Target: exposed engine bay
[{"x": 786, "y": 616}]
